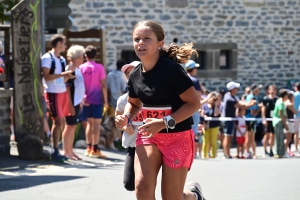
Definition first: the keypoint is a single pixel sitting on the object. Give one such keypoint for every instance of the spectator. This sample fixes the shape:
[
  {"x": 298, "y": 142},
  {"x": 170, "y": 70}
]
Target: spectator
[
  {"x": 211, "y": 130},
  {"x": 269, "y": 102},
  {"x": 2, "y": 61},
  {"x": 2, "y": 67},
  {"x": 240, "y": 133},
  {"x": 297, "y": 120},
  {"x": 252, "y": 112},
  {"x": 95, "y": 99},
  {"x": 280, "y": 122},
  {"x": 53, "y": 67},
  {"x": 247, "y": 92},
  {"x": 191, "y": 68},
  {"x": 116, "y": 84},
  {"x": 76, "y": 91},
  {"x": 231, "y": 102},
  {"x": 223, "y": 91},
  {"x": 290, "y": 111},
  {"x": 129, "y": 134}
]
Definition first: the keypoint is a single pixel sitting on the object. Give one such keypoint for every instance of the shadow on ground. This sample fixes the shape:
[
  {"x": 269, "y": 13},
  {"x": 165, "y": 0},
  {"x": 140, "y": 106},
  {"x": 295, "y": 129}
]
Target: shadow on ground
[
  {"x": 12, "y": 163},
  {"x": 21, "y": 182}
]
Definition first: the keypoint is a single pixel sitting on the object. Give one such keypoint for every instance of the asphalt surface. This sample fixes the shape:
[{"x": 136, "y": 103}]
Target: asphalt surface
[{"x": 235, "y": 179}]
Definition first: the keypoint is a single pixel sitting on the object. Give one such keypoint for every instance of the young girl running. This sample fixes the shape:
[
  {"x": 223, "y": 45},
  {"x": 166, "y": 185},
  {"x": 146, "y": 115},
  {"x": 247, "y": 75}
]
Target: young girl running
[{"x": 169, "y": 99}]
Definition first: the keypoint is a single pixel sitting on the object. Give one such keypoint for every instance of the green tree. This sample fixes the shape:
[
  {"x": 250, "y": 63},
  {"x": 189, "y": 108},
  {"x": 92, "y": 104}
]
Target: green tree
[{"x": 6, "y": 6}]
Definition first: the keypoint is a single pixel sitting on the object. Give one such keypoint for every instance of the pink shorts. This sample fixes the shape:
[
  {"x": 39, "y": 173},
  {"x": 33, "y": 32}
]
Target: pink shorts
[
  {"x": 59, "y": 104},
  {"x": 178, "y": 149}
]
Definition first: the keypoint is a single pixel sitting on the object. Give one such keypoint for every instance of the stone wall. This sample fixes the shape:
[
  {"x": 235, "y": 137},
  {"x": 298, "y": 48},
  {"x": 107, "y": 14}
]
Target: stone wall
[
  {"x": 267, "y": 32},
  {"x": 5, "y": 121}
]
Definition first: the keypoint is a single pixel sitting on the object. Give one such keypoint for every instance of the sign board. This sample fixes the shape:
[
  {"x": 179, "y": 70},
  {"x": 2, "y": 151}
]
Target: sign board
[
  {"x": 57, "y": 14},
  {"x": 26, "y": 38}
]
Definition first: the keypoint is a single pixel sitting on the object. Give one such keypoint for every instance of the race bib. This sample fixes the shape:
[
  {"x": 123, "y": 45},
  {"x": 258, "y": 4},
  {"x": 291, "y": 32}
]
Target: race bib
[
  {"x": 138, "y": 118},
  {"x": 156, "y": 112},
  {"x": 271, "y": 113},
  {"x": 59, "y": 81}
]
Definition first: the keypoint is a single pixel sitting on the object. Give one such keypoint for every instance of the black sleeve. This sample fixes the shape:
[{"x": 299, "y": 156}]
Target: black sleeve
[
  {"x": 265, "y": 101},
  {"x": 180, "y": 80},
  {"x": 131, "y": 92},
  {"x": 70, "y": 82}
]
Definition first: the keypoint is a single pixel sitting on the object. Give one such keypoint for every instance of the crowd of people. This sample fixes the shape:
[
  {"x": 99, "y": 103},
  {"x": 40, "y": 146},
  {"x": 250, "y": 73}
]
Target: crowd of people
[{"x": 225, "y": 116}]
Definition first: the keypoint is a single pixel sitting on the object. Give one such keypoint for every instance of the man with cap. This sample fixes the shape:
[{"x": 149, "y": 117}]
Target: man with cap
[
  {"x": 191, "y": 68},
  {"x": 252, "y": 112},
  {"x": 231, "y": 102}
]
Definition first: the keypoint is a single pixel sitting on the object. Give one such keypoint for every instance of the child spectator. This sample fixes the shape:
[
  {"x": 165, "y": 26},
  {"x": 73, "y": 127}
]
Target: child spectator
[
  {"x": 240, "y": 132},
  {"x": 199, "y": 141}
]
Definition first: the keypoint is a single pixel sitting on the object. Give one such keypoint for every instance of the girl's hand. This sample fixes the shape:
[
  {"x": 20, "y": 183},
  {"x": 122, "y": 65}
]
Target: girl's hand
[
  {"x": 151, "y": 127},
  {"x": 121, "y": 121},
  {"x": 129, "y": 129}
]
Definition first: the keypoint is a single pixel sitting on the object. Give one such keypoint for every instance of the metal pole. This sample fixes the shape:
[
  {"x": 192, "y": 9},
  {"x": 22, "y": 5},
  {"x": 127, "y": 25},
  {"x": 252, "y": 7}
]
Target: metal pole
[{"x": 43, "y": 26}]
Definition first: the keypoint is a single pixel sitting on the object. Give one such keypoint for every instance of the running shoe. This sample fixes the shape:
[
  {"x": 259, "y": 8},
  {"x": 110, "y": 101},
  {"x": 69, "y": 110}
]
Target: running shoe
[
  {"x": 227, "y": 157},
  {"x": 96, "y": 154},
  {"x": 291, "y": 154},
  {"x": 267, "y": 155},
  {"x": 287, "y": 155},
  {"x": 58, "y": 157},
  {"x": 248, "y": 156},
  {"x": 195, "y": 187},
  {"x": 87, "y": 151}
]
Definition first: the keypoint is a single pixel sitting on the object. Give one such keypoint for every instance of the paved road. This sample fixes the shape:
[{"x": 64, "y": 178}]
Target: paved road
[{"x": 263, "y": 179}]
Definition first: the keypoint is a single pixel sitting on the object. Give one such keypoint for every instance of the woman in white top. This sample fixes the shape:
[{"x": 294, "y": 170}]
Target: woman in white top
[{"x": 76, "y": 91}]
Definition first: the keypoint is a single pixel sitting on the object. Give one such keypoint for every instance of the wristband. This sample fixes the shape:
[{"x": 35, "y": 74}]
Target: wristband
[{"x": 129, "y": 120}]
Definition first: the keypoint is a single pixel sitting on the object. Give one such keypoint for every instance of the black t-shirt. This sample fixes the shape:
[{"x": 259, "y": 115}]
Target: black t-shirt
[
  {"x": 70, "y": 83},
  {"x": 229, "y": 105},
  {"x": 161, "y": 86},
  {"x": 210, "y": 113},
  {"x": 270, "y": 105}
]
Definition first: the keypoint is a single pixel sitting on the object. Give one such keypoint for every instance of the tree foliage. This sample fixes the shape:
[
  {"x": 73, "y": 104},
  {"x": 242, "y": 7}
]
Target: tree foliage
[{"x": 6, "y": 6}]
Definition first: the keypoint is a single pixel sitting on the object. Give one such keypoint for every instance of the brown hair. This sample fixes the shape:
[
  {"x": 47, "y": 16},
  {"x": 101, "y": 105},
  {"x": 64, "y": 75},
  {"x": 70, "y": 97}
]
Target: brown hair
[
  {"x": 57, "y": 38},
  {"x": 91, "y": 51},
  {"x": 272, "y": 86},
  {"x": 178, "y": 54}
]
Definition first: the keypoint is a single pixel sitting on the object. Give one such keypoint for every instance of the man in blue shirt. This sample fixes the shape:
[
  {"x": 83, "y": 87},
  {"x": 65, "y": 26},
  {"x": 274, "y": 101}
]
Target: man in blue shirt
[
  {"x": 252, "y": 112},
  {"x": 297, "y": 120},
  {"x": 191, "y": 68}
]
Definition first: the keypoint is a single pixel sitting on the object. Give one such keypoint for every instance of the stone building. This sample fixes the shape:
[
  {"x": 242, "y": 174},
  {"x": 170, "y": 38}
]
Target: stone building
[{"x": 242, "y": 40}]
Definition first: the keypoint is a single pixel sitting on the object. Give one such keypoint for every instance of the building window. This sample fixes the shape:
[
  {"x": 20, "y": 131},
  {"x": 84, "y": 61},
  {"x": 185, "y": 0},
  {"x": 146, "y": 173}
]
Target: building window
[
  {"x": 224, "y": 59},
  {"x": 200, "y": 59},
  {"x": 177, "y": 3},
  {"x": 217, "y": 59},
  {"x": 129, "y": 56}
]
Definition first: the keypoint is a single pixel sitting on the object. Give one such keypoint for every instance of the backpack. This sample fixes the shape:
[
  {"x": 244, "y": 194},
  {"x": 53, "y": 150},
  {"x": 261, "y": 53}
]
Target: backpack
[{"x": 52, "y": 69}]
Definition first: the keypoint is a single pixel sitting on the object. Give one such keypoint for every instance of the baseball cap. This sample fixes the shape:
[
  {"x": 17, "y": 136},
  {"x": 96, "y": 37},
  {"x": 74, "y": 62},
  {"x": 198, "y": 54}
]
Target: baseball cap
[
  {"x": 191, "y": 65},
  {"x": 231, "y": 85},
  {"x": 256, "y": 86},
  {"x": 132, "y": 64}
]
